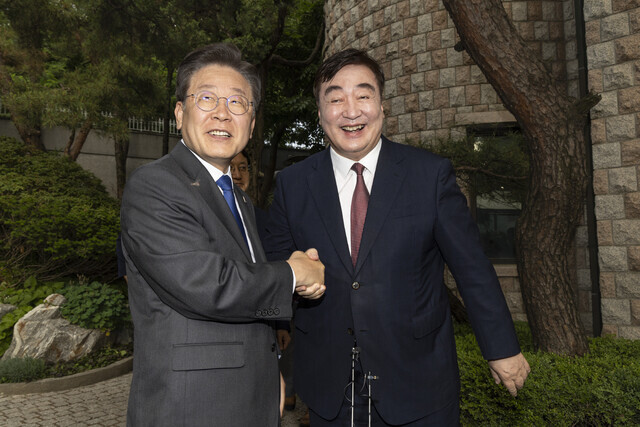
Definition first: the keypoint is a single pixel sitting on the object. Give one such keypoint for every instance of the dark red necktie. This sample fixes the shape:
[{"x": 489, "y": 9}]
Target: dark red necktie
[{"x": 359, "y": 204}]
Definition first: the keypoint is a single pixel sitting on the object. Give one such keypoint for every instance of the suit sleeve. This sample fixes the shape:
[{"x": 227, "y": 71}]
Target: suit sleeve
[
  {"x": 458, "y": 239},
  {"x": 197, "y": 270}
]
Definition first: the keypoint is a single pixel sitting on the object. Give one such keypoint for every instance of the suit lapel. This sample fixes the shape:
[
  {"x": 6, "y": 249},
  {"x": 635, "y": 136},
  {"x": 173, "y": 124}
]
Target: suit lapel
[
  {"x": 387, "y": 183},
  {"x": 208, "y": 189},
  {"x": 322, "y": 187},
  {"x": 249, "y": 218}
]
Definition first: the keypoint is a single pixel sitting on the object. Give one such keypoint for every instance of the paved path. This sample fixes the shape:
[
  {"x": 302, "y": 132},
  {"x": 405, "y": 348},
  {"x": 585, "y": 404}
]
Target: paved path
[{"x": 101, "y": 404}]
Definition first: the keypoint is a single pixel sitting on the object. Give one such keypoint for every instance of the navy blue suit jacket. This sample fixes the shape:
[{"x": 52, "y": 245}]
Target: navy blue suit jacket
[{"x": 394, "y": 301}]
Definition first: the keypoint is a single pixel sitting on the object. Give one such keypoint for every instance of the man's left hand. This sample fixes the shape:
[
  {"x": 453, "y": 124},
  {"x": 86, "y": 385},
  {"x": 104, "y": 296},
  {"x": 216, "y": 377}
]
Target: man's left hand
[
  {"x": 284, "y": 338},
  {"x": 510, "y": 371}
]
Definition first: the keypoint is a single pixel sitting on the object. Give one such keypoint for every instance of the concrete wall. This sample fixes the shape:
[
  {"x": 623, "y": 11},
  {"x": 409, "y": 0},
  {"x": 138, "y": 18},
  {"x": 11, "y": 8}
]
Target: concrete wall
[{"x": 98, "y": 152}]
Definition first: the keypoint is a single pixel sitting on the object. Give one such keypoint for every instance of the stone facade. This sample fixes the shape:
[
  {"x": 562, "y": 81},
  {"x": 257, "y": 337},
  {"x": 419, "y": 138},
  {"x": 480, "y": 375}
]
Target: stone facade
[
  {"x": 613, "y": 54},
  {"x": 434, "y": 92}
]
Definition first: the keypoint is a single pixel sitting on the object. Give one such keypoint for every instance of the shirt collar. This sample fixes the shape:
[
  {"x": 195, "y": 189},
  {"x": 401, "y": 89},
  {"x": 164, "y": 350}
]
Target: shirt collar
[
  {"x": 215, "y": 173},
  {"x": 342, "y": 165}
]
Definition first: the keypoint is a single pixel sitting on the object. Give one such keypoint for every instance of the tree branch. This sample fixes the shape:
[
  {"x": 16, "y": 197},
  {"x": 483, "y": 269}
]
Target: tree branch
[
  {"x": 488, "y": 172},
  {"x": 277, "y": 59}
]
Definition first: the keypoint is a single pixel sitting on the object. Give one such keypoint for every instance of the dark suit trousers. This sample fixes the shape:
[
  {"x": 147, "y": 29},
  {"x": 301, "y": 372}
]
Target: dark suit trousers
[{"x": 448, "y": 416}]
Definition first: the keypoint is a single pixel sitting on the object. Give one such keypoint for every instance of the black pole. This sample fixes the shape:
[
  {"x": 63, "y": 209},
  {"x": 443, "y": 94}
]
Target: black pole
[{"x": 592, "y": 232}]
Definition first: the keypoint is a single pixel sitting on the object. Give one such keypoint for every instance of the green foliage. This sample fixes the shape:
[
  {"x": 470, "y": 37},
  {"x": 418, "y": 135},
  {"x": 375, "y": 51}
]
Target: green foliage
[
  {"x": 601, "y": 388},
  {"x": 95, "y": 306},
  {"x": 494, "y": 167},
  {"x": 22, "y": 370},
  {"x": 56, "y": 219},
  {"x": 25, "y": 298},
  {"x": 98, "y": 359}
]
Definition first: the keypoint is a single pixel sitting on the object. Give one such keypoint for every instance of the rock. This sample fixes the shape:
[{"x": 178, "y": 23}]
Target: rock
[
  {"x": 43, "y": 334},
  {"x": 6, "y": 309}
]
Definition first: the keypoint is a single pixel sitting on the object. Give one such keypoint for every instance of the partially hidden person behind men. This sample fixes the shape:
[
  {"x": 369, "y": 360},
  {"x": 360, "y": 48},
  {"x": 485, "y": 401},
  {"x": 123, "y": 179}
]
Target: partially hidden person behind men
[
  {"x": 385, "y": 218},
  {"x": 240, "y": 172},
  {"x": 203, "y": 298}
]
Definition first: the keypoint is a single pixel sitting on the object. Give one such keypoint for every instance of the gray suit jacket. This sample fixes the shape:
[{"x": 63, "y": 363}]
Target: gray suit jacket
[{"x": 204, "y": 345}]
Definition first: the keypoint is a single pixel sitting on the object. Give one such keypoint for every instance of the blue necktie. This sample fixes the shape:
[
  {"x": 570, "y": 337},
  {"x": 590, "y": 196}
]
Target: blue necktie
[{"x": 227, "y": 191}]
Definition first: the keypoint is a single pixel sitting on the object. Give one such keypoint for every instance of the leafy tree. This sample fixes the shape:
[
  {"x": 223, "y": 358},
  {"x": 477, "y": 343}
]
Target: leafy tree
[
  {"x": 553, "y": 125},
  {"x": 24, "y": 29}
]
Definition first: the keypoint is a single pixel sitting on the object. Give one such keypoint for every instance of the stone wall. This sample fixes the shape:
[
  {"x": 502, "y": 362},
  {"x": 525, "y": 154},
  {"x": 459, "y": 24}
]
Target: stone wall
[{"x": 613, "y": 47}]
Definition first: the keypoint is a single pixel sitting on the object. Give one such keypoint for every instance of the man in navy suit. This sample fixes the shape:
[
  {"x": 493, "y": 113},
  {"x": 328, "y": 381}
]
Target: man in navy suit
[{"x": 384, "y": 218}]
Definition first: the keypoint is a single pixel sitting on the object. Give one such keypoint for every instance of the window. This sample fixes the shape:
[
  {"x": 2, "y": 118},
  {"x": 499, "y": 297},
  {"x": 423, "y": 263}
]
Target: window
[{"x": 495, "y": 200}]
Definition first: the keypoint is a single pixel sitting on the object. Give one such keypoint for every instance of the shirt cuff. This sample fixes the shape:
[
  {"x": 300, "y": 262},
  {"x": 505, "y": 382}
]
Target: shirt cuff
[{"x": 294, "y": 280}]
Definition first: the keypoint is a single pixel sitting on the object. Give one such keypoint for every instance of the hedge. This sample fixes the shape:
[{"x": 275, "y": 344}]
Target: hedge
[
  {"x": 601, "y": 388},
  {"x": 56, "y": 219}
]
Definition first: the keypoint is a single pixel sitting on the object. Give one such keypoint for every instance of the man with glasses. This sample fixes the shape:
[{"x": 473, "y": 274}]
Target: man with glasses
[{"x": 203, "y": 298}]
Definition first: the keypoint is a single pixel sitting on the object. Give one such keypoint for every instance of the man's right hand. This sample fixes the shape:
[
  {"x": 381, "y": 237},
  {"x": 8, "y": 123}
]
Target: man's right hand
[{"x": 309, "y": 273}]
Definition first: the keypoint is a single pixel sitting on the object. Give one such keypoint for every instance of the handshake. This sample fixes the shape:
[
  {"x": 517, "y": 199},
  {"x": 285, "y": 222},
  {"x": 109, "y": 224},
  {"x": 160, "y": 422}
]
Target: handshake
[{"x": 309, "y": 272}]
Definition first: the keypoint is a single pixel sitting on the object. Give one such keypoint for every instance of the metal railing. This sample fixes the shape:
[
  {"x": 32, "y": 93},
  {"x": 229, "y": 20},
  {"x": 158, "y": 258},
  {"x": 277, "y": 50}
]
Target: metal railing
[
  {"x": 152, "y": 126},
  {"x": 135, "y": 124}
]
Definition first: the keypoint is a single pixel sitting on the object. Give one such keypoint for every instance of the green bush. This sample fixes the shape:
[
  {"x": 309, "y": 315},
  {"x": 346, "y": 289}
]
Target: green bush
[
  {"x": 22, "y": 370},
  {"x": 56, "y": 219},
  {"x": 96, "y": 306},
  {"x": 601, "y": 388}
]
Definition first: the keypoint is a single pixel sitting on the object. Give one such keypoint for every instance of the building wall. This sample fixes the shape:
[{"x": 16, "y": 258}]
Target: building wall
[
  {"x": 433, "y": 92},
  {"x": 98, "y": 152},
  {"x": 613, "y": 53}
]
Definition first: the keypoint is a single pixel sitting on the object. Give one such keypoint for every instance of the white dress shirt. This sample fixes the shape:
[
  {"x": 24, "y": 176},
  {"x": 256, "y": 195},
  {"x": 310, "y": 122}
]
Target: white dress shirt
[{"x": 346, "y": 181}]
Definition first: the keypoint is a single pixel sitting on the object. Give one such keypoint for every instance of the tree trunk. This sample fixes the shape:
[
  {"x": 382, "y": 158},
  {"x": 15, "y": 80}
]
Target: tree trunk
[
  {"x": 256, "y": 143},
  {"x": 121, "y": 143},
  {"x": 270, "y": 169},
  {"x": 552, "y": 125},
  {"x": 31, "y": 136},
  {"x": 167, "y": 112},
  {"x": 77, "y": 140}
]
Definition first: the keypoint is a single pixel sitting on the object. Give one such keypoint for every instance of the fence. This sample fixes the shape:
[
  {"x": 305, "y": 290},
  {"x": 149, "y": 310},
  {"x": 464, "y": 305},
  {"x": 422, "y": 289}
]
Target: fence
[{"x": 135, "y": 124}]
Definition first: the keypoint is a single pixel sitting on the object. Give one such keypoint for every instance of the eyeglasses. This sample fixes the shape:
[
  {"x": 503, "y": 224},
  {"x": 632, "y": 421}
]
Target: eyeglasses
[{"x": 207, "y": 101}]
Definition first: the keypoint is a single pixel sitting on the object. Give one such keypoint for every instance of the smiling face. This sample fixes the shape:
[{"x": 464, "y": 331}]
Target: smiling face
[
  {"x": 350, "y": 111},
  {"x": 216, "y": 136}
]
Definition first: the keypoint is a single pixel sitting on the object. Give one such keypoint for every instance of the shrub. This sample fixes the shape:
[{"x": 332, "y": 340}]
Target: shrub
[
  {"x": 601, "y": 388},
  {"x": 96, "y": 306},
  {"x": 56, "y": 219},
  {"x": 22, "y": 370}
]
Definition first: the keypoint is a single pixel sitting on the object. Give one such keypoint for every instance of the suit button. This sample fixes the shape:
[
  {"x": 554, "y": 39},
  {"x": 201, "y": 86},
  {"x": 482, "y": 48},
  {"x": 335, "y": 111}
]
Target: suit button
[
  {"x": 258, "y": 313},
  {"x": 276, "y": 311},
  {"x": 270, "y": 312},
  {"x": 355, "y": 285},
  {"x": 350, "y": 331}
]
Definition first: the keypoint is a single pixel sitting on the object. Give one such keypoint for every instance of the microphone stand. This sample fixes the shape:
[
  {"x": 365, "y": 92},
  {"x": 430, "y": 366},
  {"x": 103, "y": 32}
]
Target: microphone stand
[{"x": 355, "y": 354}]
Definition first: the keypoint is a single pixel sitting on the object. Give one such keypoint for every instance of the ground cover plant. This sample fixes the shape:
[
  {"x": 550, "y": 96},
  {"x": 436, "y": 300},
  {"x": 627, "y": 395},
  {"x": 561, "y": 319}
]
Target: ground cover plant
[{"x": 601, "y": 388}]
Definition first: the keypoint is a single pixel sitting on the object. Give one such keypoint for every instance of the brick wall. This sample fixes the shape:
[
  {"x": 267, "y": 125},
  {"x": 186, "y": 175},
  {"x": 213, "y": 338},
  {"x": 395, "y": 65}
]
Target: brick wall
[{"x": 613, "y": 52}]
